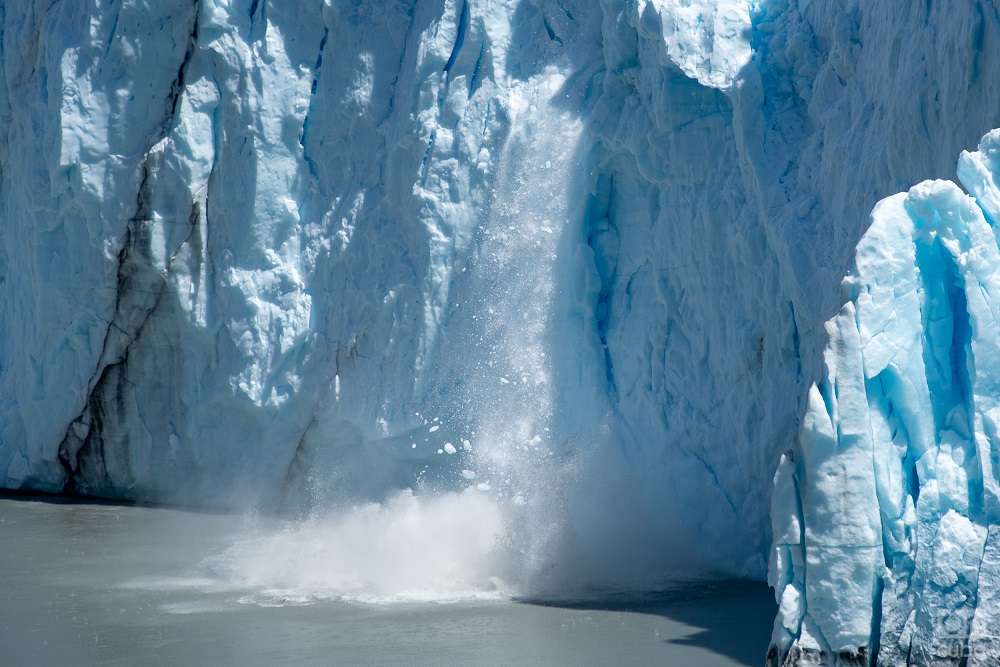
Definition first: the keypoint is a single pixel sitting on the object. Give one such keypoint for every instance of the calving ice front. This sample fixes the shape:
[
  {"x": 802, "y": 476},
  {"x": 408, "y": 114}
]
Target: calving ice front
[{"x": 567, "y": 262}]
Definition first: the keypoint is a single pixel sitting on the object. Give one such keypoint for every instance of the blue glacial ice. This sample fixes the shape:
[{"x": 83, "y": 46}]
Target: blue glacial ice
[
  {"x": 575, "y": 255},
  {"x": 885, "y": 512}
]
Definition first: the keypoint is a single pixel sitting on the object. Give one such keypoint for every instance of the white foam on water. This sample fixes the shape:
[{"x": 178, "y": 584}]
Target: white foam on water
[{"x": 411, "y": 548}]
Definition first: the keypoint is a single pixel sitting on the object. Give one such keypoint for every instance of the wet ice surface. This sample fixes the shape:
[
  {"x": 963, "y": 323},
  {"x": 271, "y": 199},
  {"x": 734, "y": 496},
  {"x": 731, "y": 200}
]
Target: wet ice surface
[{"x": 103, "y": 584}]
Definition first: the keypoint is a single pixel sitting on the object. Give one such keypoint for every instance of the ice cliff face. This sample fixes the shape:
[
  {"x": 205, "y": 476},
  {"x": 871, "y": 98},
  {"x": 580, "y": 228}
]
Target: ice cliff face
[
  {"x": 575, "y": 253},
  {"x": 885, "y": 513}
]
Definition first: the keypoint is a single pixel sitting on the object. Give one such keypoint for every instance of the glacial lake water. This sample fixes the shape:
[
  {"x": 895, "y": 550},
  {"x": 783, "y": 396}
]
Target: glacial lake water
[{"x": 96, "y": 584}]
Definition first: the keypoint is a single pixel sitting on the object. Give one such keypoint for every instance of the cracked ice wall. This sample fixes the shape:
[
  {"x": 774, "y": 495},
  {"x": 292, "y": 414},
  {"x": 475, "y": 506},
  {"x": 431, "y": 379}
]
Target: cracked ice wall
[
  {"x": 249, "y": 246},
  {"x": 885, "y": 514}
]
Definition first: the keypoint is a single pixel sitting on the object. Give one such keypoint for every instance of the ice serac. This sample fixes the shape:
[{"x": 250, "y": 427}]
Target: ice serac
[
  {"x": 885, "y": 512},
  {"x": 707, "y": 41}
]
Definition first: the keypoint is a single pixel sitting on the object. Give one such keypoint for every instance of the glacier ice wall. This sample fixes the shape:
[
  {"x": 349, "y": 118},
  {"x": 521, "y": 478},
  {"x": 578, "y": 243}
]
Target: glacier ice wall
[
  {"x": 885, "y": 513},
  {"x": 574, "y": 253}
]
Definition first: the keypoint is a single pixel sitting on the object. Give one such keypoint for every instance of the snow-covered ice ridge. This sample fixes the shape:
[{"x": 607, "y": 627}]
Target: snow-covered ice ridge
[
  {"x": 886, "y": 514},
  {"x": 278, "y": 253}
]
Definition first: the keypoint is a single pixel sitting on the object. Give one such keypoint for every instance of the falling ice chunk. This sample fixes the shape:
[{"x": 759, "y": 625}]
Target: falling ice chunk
[
  {"x": 504, "y": 381},
  {"x": 469, "y": 474},
  {"x": 434, "y": 428},
  {"x": 450, "y": 448},
  {"x": 483, "y": 486},
  {"x": 440, "y": 451},
  {"x": 466, "y": 445}
]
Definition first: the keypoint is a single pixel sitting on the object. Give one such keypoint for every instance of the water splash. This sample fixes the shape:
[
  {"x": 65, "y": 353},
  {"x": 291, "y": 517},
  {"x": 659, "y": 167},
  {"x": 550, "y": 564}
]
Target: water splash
[
  {"x": 410, "y": 548},
  {"x": 512, "y": 315},
  {"x": 487, "y": 540}
]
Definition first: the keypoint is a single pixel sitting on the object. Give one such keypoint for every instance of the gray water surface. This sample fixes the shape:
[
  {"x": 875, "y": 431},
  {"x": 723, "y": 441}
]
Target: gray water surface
[{"x": 78, "y": 586}]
